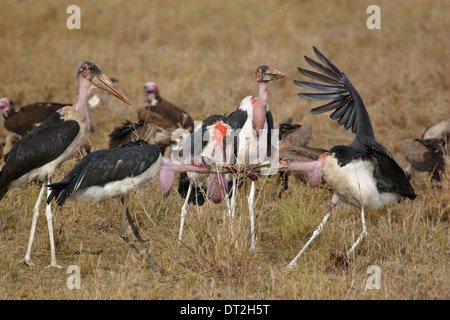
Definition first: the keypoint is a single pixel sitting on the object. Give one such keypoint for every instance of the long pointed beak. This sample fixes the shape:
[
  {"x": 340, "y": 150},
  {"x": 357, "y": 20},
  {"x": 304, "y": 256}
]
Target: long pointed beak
[
  {"x": 102, "y": 81},
  {"x": 272, "y": 75}
]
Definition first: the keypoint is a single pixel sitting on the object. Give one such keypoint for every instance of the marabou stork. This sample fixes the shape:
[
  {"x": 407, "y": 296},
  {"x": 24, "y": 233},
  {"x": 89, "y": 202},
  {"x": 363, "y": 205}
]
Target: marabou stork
[
  {"x": 204, "y": 146},
  {"x": 252, "y": 125},
  {"x": 37, "y": 155},
  {"x": 108, "y": 174},
  {"x": 364, "y": 174},
  {"x": 162, "y": 112}
]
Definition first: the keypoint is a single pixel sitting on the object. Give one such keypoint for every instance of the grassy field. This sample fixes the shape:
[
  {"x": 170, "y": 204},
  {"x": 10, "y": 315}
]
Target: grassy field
[{"x": 203, "y": 54}]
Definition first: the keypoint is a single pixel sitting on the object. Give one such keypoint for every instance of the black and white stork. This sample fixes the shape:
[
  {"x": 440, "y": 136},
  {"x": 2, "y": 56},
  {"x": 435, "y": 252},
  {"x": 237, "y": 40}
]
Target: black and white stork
[
  {"x": 109, "y": 174},
  {"x": 162, "y": 112},
  {"x": 205, "y": 146},
  {"x": 37, "y": 155},
  {"x": 253, "y": 125},
  {"x": 364, "y": 174}
]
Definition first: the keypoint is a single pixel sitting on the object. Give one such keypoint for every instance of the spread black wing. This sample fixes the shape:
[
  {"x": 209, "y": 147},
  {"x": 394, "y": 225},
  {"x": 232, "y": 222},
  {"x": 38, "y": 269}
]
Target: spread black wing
[{"x": 346, "y": 102}]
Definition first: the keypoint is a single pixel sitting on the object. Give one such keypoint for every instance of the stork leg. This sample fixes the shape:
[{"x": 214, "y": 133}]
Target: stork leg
[
  {"x": 27, "y": 258},
  {"x": 363, "y": 233},
  {"x": 316, "y": 232},
  {"x": 233, "y": 198},
  {"x": 184, "y": 210},
  {"x": 148, "y": 257},
  {"x": 251, "y": 198},
  {"x": 49, "y": 215},
  {"x": 123, "y": 220},
  {"x": 233, "y": 206},
  {"x": 389, "y": 219}
]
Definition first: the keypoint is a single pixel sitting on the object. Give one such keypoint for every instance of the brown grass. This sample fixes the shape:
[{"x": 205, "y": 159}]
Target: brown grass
[{"x": 203, "y": 55}]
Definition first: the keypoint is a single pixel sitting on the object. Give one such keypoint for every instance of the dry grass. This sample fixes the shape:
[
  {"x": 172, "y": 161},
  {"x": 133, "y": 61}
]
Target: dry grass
[{"x": 203, "y": 54}]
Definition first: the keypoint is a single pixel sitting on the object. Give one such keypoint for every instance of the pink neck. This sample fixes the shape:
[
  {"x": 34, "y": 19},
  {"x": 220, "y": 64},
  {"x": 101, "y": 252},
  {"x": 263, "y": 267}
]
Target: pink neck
[
  {"x": 167, "y": 173},
  {"x": 260, "y": 107},
  {"x": 81, "y": 101},
  {"x": 312, "y": 169}
]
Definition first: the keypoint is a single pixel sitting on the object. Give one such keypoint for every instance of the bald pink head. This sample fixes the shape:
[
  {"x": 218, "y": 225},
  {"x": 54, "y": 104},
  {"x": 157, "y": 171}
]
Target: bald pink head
[
  {"x": 5, "y": 107},
  {"x": 151, "y": 90}
]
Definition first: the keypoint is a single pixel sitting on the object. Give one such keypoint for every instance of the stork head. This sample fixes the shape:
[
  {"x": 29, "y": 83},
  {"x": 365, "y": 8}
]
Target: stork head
[
  {"x": 5, "y": 107},
  {"x": 266, "y": 73},
  {"x": 91, "y": 72},
  {"x": 151, "y": 91}
]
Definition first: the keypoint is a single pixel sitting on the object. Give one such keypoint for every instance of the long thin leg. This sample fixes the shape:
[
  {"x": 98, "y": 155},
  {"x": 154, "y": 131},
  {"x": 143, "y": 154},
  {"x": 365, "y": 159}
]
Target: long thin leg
[
  {"x": 122, "y": 231},
  {"x": 49, "y": 215},
  {"x": 148, "y": 257},
  {"x": 314, "y": 235},
  {"x": 27, "y": 258},
  {"x": 251, "y": 198},
  {"x": 363, "y": 233},
  {"x": 233, "y": 197},
  {"x": 233, "y": 205},
  {"x": 123, "y": 219},
  {"x": 184, "y": 210},
  {"x": 389, "y": 219}
]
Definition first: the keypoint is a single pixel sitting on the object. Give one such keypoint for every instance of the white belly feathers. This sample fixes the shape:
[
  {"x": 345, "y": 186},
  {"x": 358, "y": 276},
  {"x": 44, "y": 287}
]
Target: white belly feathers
[{"x": 356, "y": 183}]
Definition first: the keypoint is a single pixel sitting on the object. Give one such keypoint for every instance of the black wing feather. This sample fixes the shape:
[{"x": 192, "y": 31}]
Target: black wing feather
[
  {"x": 323, "y": 69},
  {"x": 316, "y": 86},
  {"x": 319, "y": 77},
  {"x": 329, "y": 106},
  {"x": 322, "y": 96},
  {"x": 341, "y": 93}
]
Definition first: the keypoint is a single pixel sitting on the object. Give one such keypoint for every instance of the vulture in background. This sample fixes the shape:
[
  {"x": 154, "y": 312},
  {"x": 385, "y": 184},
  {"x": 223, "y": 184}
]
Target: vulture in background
[
  {"x": 149, "y": 132},
  {"x": 163, "y": 113},
  {"x": 428, "y": 153},
  {"x": 23, "y": 120}
]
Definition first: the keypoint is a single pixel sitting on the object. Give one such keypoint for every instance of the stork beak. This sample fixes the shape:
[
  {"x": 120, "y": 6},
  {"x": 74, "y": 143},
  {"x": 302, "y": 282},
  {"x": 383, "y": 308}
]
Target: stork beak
[
  {"x": 272, "y": 75},
  {"x": 101, "y": 81}
]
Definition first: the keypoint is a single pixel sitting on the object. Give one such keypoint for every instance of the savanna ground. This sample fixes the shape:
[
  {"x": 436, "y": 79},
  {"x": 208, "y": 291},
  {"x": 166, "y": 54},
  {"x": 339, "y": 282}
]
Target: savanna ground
[{"x": 203, "y": 55}]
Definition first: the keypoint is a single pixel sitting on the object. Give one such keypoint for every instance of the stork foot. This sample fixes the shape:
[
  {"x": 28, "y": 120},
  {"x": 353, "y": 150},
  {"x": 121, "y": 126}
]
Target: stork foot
[
  {"x": 54, "y": 265},
  {"x": 27, "y": 262},
  {"x": 291, "y": 265}
]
